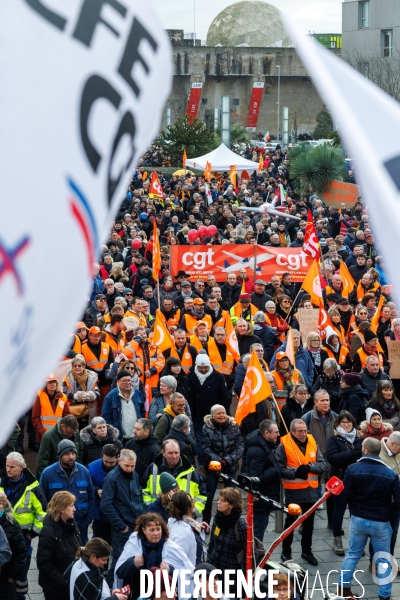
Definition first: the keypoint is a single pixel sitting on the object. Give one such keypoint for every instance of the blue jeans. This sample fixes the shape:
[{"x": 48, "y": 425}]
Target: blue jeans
[
  {"x": 394, "y": 523},
  {"x": 198, "y": 433},
  {"x": 379, "y": 533},
  {"x": 339, "y": 508},
  {"x": 261, "y": 520}
]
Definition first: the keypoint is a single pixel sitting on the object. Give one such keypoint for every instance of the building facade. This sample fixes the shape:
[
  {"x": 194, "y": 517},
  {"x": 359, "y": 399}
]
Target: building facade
[{"x": 371, "y": 28}]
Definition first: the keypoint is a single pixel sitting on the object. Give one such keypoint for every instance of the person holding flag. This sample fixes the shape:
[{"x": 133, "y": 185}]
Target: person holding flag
[{"x": 286, "y": 378}]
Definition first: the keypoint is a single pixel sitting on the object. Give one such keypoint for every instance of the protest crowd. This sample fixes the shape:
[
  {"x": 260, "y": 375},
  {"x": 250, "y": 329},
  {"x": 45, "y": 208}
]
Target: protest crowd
[{"x": 158, "y": 389}]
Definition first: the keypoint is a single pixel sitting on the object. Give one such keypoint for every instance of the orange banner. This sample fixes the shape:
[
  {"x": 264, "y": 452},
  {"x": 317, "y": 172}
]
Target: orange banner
[
  {"x": 340, "y": 191},
  {"x": 260, "y": 262}
]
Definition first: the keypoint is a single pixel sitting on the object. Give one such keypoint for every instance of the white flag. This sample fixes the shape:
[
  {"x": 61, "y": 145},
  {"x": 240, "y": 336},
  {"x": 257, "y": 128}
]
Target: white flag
[
  {"x": 369, "y": 119},
  {"x": 208, "y": 195},
  {"x": 83, "y": 85}
]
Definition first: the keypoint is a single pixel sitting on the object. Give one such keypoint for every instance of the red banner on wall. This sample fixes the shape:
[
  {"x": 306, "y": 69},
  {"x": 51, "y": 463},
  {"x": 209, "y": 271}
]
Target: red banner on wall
[
  {"x": 255, "y": 104},
  {"x": 260, "y": 262},
  {"x": 194, "y": 101}
]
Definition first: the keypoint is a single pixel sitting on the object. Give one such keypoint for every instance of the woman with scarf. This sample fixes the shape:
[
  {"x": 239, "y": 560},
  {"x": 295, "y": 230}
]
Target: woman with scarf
[
  {"x": 384, "y": 400},
  {"x": 149, "y": 546},
  {"x": 227, "y": 546},
  {"x": 86, "y": 577},
  {"x": 357, "y": 338},
  {"x": 184, "y": 529},
  {"x": 275, "y": 321},
  {"x": 370, "y": 347},
  {"x": 337, "y": 350},
  {"x": 374, "y": 427},
  {"x": 80, "y": 387},
  {"x": 343, "y": 448},
  {"x": 167, "y": 386},
  {"x": 369, "y": 301},
  {"x": 167, "y": 289},
  {"x": 329, "y": 380},
  {"x": 284, "y": 307},
  {"x": 318, "y": 354},
  {"x": 286, "y": 378},
  {"x": 134, "y": 370}
]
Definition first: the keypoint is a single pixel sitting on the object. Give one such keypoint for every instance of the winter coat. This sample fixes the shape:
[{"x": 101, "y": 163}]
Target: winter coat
[
  {"x": 14, "y": 568},
  {"x": 259, "y": 300},
  {"x": 394, "y": 419},
  {"x": 370, "y": 383},
  {"x": 354, "y": 400},
  {"x": 186, "y": 443},
  {"x": 304, "y": 363},
  {"x": 224, "y": 547},
  {"x": 222, "y": 441},
  {"x": 317, "y": 430},
  {"x": 293, "y": 410},
  {"x": 245, "y": 341},
  {"x": 269, "y": 340},
  {"x": 88, "y": 582},
  {"x": 48, "y": 453},
  {"x": 182, "y": 382},
  {"x": 367, "y": 431},
  {"x": 92, "y": 447},
  {"x": 112, "y": 411},
  {"x": 54, "y": 479},
  {"x": 261, "y": 463},
  {"x": 58, "y": 543},
  {"x": 231, "y": 293},
  {"x": 340, "y": 453},
  {"x": 391, "y": 460},
  {"x": 73, "y": 387},
  {"x": 122, "y": 499},
  {"x": 146, "y": 450},
  {"x": 98, "y": 475},
  {"x": 332, "y": 387},
  {"x": 203, "y": 397}
]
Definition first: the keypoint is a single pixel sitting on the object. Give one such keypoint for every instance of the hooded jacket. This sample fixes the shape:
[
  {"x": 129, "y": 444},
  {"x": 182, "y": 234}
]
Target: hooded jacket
[
  {"x": 146, "y": 450},
  {"x": 222, "y": 441},
  {"x": 203, "y": 397},
  {"x": 48, "y": 452},
  {"x": 92, "y": 448},
  {"x": 354, "y": 400},
  {"x": 261, "y": 463}
]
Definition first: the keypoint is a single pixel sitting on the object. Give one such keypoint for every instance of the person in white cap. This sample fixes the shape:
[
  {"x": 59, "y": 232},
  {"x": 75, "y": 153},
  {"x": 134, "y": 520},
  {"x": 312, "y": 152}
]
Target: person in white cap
[{"x": 206, "y": 385}]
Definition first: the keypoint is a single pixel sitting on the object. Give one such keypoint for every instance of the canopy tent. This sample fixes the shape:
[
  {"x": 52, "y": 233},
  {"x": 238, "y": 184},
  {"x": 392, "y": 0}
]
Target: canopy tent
[{"x": 221, "y": 159}]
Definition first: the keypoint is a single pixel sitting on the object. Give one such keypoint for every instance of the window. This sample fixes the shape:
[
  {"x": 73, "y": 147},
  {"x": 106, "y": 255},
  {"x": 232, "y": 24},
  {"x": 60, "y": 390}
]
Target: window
[
  {"x": 236, "y": 102},
  {"x": 363, "y": 67},
  {"x": 204, "y": 101},
  {"x": 333, "y": 44},
  {"x": 387, "y": 43},
  {"x": 364, "y": 14}
]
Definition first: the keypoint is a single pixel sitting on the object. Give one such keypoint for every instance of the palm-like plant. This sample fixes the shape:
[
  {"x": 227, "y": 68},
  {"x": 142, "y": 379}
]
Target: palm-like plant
[{"x": 317, "y": 168}]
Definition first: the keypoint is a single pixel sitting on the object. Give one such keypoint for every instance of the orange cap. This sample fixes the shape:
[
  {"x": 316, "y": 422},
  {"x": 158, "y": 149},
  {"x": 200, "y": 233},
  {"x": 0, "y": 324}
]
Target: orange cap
[
  {"x": 95, "y": 329},
  {"x": 280, "y": 355},
  {"x": 51, "y": 377},
  {"x": 198, "y": 301},
  {"x": 80, "y": 325}
]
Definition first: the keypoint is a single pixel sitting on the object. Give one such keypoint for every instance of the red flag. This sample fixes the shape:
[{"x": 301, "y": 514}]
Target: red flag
[
  {"x": 156, "y": 190},
  {"x": 311, "y": 241}
]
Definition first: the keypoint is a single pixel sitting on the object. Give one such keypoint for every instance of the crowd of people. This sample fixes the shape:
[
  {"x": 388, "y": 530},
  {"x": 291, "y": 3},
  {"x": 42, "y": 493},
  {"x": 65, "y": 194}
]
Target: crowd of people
[{"x": 125, "y": 440}]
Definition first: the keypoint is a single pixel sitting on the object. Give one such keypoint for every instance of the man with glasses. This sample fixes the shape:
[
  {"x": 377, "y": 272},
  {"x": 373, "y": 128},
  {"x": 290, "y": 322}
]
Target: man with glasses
[
  {"x": 301, "y": 463},
  {"x": 96, "y": 310},
  {"x": 199, "y": 290},
  {"x": 186, "y": 292},
  {"x": 123, "y": 406},
  {"x": 128, "y": 295},
  {"x": 111, "y": 292},
  {"x": 219, "y": 317}
]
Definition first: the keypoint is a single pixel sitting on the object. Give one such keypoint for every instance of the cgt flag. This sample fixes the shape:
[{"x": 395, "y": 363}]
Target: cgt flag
[
  {"x": 73, "y": 141},
  {"x": 255, "y": 389},
  {"x": 311, "y": 241},
  {"x": 156, "y": 190},
  {"x": 312, "y": 284}
]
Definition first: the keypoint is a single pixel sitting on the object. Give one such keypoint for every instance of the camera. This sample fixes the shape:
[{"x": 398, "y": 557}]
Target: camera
[{"x": 251, "y": 482}]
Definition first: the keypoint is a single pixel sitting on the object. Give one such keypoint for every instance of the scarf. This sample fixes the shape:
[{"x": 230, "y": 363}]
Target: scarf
[
  {"x": 316, "y": 356},
  {"x": 370, "y": 352},
  {"x": 282, "y": 238},
  {"x": 336, "y": 348},
  {"x": 202, "y": 376},
  {"x": 349, "y": 436},
  {"x": 287, "y": 376},
  {"x": 389, "y": 409},
  {"x": 108, "y": 267},
  {"x": 135, "y": 381},
  {"x": 227, "y": 521},
  {"x": 193, "y": 524},
  {"x": 152, "y": 553},
  {"x": 81, "y": 380}
]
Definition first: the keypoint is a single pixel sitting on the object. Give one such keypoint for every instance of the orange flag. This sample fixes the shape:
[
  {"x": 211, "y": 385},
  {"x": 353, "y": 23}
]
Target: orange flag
[
  {"x": 207, "y": 171},
  {"x": 347, "y": 280},
  {"x": 233, "y": 175},
  {"x": 375, "y": 318},
  {"x": 156, "y": 252},
  {"x": 324, "y": 321},
  {"x": 255, "y": 389},
  {"x": 231, "y": 339},
  {"x": 260, "y": 162},
  {"x": 312, "y": 284},
  {"x": 184, "y": 159},
  {"x": 162, "y": 337},
  {"x": 156, "y": 190}
]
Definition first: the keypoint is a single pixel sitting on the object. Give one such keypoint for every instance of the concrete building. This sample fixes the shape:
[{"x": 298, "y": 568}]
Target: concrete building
[{"x": 371, "y": 28}]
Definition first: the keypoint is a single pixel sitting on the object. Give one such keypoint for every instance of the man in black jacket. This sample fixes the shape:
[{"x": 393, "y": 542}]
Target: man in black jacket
[
  {"x": 261, "y": 463},
  {"x": 231, "y": 290},
  {"x": 145, "y": 446},
  {"x": 259, "y": 297},
  {"x": 371, "y": 375},
  {"x": 180, "y": 432}
]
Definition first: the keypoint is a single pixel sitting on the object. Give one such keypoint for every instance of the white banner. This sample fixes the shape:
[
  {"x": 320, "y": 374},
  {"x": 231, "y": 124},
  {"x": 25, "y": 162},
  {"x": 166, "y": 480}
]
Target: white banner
[
  {"x": 83, "y": 85},
  {"x": 368, "y": 120}
]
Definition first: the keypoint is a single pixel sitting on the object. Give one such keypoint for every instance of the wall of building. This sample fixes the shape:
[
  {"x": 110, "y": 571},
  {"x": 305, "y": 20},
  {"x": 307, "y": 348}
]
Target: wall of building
[
  {"x": 232, "y": 71},
  {"x": 383, "y": 14}
]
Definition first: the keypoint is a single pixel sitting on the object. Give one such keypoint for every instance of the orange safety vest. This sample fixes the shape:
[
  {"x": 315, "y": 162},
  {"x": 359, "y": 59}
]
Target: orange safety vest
[
  {"x": 363, "y": 357},
  {"x": 94, "y": 363},
  {"x": 77, "y": 347},
  {"x": 47, "y": 416},
  {"x": 238, "y": 309},
  {"x": 339, "y": 330},
  {"x": 106, "y": 318},
  {"x": 117, "y": 347},
  {"x": 295, "y": 457},
  {"x": 135, "y": 352},
  {"x": 186, "y": 360},
  {"x": 280, "y": 384},
  {"x": 222, "y": 320},
  {"x": 141, "y": 318},
  {"x": 225, "y": 367},
  {"x": 194, "y": 341},
  {"x": 361, "y": 292},
  {"x": 343, "y": 352},
  {"x": 173, "y": 321},
  {"x": 331, "y": 290},
  {"x": 191, "y": 323}
]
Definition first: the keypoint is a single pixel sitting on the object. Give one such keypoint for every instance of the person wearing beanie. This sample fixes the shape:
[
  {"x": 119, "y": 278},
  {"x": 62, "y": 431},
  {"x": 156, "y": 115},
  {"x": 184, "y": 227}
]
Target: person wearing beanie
[
  {"x": 206, "y": 385},
  {"x": 68, "y": 475},
  {"x": 123, "y": 406},
  {"x": 370, "y": 347},
  {"x": 373, "y": 426},
  {"x": 243, "y": 309},
  {"x": 353, "y": 397},
  {"x": 168, "y": 487}
]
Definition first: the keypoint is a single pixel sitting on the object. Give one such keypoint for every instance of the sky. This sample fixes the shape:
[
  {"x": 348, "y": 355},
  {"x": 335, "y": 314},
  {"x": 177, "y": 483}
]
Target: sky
[{"x": 319, "y": 16}]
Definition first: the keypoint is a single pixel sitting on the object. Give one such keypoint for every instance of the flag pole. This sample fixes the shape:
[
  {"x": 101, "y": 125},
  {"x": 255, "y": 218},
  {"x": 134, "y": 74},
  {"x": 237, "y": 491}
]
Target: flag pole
[
  {"x": 293, "y": 303},
  {"x": 287, "y": 430}
]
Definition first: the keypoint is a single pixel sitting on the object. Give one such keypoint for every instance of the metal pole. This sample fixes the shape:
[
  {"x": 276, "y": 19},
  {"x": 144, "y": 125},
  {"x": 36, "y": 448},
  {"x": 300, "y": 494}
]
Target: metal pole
[
  {"x": 250, "y": 534},
  {"x": 278, "y": 103},
  {"x": 279, "y": 515}
]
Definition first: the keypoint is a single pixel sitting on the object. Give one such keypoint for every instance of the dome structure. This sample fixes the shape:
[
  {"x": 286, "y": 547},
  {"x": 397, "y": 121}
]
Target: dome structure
[{"x": 248, "y": 23}]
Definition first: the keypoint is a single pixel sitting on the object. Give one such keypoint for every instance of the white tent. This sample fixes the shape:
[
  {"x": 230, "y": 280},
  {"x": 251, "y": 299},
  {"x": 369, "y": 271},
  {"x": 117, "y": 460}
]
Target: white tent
[{"x": 221, "y": 159}]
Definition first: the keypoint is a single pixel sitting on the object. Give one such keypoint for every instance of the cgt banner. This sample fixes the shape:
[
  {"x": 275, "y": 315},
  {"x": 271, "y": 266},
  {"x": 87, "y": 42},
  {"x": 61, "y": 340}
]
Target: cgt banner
[
  {"x": 194, "y": 101},
  {"x": 260, "y": 262},
  {"x": 83, "y": 86}
]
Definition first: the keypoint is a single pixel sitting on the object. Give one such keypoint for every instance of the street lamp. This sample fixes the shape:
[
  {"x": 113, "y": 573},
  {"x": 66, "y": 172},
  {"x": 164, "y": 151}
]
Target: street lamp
[{"x": 279, "y": 100}]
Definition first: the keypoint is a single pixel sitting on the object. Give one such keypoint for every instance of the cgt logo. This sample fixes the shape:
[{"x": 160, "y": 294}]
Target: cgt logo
[
  {"x": 198, "y": 259},
  {"x": 292, "y": 261}
]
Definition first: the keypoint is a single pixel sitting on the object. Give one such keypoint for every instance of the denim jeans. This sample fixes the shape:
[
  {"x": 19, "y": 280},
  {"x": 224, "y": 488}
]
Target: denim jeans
[
  {"x": 198, "y": 432},
  {"x": 339, "y": 508},
  {"x": 379, "y": 533},
  {"x": 394, "y": 523},
  {"x": 261, "y": 520}
]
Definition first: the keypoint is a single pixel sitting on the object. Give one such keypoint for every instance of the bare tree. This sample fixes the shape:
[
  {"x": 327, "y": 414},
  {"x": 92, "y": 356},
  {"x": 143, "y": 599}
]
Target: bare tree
[{"x": 383, "y": 71}]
